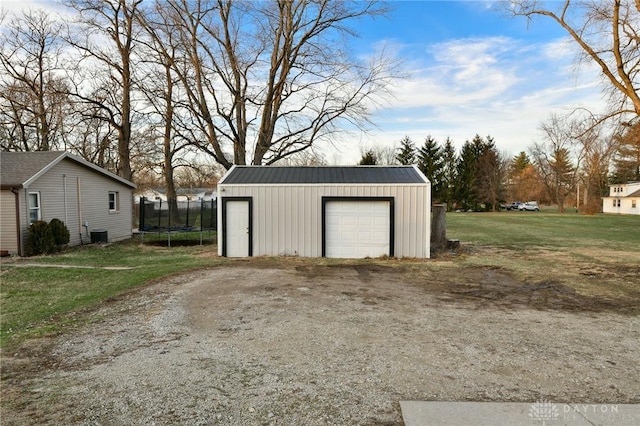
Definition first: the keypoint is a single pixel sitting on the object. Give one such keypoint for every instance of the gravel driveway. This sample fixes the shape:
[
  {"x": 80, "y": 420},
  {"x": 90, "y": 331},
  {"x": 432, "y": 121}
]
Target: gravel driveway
[{"x": 302, "y": 344}]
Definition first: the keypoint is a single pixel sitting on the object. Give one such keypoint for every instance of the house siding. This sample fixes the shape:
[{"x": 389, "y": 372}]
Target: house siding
[
  {"x": 8, "y": 222},
  {"x": 59, "y": 189},
  {"x": 626, "y": 195},
  {"x": 287, "y": 219}
]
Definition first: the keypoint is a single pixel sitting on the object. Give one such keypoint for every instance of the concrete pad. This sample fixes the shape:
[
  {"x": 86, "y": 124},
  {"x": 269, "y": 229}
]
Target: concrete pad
[{"x": 545, "y": 413}]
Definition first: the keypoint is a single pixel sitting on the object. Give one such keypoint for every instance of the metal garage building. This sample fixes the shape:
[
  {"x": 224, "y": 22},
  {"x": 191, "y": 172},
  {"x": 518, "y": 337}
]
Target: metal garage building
[{"x": 341, "y": 211}]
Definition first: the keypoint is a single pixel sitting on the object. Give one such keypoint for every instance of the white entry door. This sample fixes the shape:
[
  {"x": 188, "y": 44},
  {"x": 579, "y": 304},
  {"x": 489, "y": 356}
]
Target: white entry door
[
  {"x": 357, "y": 229},
  {"x": 237, "y": 229}
]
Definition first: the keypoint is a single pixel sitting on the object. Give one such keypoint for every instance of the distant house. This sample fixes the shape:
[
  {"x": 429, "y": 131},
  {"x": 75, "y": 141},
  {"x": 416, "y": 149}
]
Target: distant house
[
  {"x": 46, "y": 185},
  {"x": 623, "y": 199}
]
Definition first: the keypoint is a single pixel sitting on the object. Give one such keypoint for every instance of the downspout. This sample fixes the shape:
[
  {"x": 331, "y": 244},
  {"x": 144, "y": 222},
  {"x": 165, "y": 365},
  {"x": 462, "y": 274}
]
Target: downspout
[
  {"x": 66, "y": 212},
  {"x": 79, "y": 210},
  {"x": 16, "y": 192}
]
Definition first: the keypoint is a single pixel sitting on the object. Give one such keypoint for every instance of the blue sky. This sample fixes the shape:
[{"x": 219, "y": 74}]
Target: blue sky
[{"x": 473, "y": 69}]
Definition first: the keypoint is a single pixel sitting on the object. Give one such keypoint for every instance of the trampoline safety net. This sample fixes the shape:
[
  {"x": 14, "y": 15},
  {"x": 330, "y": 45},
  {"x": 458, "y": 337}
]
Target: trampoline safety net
[{"x": 171, "y": 216}]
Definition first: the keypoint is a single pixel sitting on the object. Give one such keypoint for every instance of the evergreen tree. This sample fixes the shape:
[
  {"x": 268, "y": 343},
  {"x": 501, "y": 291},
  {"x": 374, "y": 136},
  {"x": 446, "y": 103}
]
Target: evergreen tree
[
  {"x": 520, "y": 163},
  {"x": 449, "y": 160},
  {"x": 480, "y": 175},
  {"x": 368, "y": 158},
  {"x": 523, "y": 181},
  {"x": 563, "y": 176},
  {"x": 466, "y": 175},
  {"x": 406, "y": 152},
  {"x": 431, "y": 164},
  {"x": 627, "y": 158}
]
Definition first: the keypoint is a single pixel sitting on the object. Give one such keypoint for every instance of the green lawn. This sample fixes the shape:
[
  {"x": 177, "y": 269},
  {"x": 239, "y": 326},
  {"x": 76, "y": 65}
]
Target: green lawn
[
  {"x": 523, "y": 230},
  {"x": 37, "y": 300}
]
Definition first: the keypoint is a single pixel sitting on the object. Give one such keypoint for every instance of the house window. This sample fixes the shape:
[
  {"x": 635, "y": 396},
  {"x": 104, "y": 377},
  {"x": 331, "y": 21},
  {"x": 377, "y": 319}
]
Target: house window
[
  {"x": 114, "y": 201},
  {"x": 34, "y": 207},
  {"x": 633, "y": 204},
  {"x": 614, "y": 203},
  {"x": 618, "y": 203}
]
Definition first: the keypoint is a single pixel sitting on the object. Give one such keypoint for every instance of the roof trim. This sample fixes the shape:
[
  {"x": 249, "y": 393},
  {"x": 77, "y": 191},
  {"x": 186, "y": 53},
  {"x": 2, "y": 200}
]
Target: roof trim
[
  {"x": 226, "y": 175},
  {"x": 80, "y": 161}
]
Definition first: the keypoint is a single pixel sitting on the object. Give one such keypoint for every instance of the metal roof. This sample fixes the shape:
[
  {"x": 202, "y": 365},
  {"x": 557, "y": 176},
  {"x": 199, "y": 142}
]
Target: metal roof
[
  {"x": 323, "y": 175},
  {"x": 19, "y": 169}
]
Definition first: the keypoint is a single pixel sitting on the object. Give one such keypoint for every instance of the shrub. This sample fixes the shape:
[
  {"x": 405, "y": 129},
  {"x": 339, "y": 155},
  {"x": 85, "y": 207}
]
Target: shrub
[
  {"x": 40, "y": 239},
  {"x": 60, "y": 232}
]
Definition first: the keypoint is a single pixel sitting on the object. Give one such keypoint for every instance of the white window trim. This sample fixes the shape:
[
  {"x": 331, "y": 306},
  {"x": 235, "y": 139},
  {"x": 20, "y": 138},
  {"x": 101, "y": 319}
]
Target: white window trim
[
  {"x": 38, "y": 208},
  {"x": 116, "y": 196}
]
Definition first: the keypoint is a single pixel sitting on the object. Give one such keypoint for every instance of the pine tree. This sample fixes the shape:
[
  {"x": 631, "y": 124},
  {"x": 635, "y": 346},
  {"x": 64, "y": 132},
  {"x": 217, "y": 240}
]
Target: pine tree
[
  {"x": 430, "y": 163},
  {"x": 523, "y": 184},
  {"x": 627, "y": 158},
  {"x": 449, "y": 159},
  {"x": 561, "y": 178},
  {"x": 406, "y": 152},
  {"x": 466, "y": 175},
  {"x": 368, "y": 158},
  {"x": 520, "y": 163}
]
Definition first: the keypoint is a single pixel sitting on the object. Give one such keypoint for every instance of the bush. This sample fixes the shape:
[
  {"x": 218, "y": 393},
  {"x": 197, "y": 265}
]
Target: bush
[
  {"x": 60, "y": 232},
  {"x": 40, "y": 239}
]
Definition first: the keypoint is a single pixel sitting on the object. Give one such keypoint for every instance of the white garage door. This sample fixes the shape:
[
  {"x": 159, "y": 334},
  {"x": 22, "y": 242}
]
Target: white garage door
[{"x": 356, "y": 229}]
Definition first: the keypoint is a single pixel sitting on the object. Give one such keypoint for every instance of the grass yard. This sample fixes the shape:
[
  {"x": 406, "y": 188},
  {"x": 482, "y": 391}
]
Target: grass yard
[
  {"x": 40, "y": 300},
  {"x": 595, "y": 256},
  {"x": 526, "y": 230}
]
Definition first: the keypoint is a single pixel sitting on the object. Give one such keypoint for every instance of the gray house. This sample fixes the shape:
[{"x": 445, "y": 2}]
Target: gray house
[
  {"x": 46, "y": 185},
  {"x": 343, "y": 212}
]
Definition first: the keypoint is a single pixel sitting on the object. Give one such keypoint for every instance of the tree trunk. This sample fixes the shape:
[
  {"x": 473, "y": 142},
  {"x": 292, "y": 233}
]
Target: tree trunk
[{"x": 438, "y": 227}]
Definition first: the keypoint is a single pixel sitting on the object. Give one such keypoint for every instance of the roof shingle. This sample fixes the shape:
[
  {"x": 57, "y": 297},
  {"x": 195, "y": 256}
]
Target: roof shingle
[{"x": 16, "y": 168}]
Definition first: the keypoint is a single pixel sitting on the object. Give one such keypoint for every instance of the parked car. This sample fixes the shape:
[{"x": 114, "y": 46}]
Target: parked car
[
  {"x": 514, "y": 206},
  {"x": 531, "y": 206}
]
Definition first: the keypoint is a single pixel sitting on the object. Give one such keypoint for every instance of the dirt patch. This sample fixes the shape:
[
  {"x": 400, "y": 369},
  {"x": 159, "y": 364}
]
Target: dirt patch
[
  {"x": 299, "y": 342},
  {"x": 491, "y": 288}
]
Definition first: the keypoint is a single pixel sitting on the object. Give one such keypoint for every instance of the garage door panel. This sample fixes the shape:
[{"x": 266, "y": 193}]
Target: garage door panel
[{"x": 357, "y": 229}]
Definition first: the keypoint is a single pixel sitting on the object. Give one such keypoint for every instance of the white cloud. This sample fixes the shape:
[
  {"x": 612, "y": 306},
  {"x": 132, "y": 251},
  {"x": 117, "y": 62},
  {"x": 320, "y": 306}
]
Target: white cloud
[{"x": 496, "y": 85}]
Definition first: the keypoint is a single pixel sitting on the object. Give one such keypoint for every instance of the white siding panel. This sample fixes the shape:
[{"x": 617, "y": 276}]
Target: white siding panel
[
  {"x": 92, "y": 205},
  {"x": 288, "y": 219}
]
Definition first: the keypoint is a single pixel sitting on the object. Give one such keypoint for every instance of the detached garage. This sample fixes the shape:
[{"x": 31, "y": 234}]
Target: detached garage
[{"x": 341, "y": 211}]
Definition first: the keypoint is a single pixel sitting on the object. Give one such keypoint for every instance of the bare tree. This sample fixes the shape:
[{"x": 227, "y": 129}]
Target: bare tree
[
  {"x": 266, "y": 80},
  {"x": 32, "y": 91},
  {"x": 607, "y": 33},
  {"x": 596, "y": 147},
  {"x": 491, "y": 176},
  {"x": 378, "y": 154},
  {"x": 310, "y": 157},
  {"x": 160, "y": 88},
  {"x": 554, "y": 159},
  {"x": 104, "y": 36}
]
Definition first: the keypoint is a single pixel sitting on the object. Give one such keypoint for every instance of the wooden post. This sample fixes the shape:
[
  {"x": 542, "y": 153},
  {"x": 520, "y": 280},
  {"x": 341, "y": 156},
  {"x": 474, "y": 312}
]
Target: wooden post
[{"x": 438, "y": 227}]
